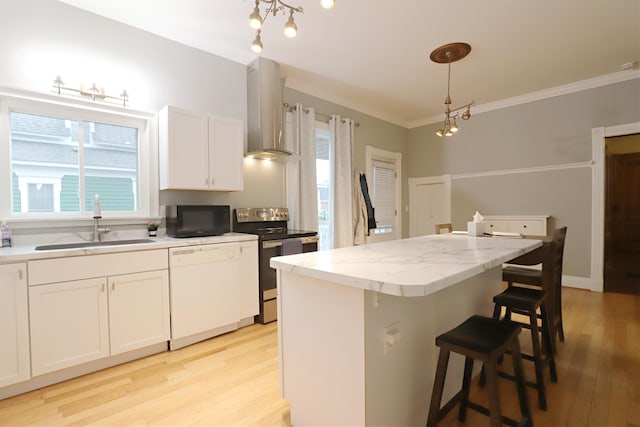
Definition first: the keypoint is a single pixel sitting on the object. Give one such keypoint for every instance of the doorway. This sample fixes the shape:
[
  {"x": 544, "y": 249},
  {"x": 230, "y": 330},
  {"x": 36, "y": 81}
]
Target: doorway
[
  {"x": 622, "y": 214},
  {"x": 429, "y": 204}
]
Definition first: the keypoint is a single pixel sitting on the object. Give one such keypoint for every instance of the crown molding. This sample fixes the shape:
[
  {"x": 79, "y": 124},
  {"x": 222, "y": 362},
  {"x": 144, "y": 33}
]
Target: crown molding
[{"x": 578, "y": 86}]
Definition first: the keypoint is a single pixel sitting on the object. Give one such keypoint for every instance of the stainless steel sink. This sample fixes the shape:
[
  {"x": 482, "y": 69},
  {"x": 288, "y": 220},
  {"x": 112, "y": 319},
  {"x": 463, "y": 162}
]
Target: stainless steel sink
[{"x": 92, "y": 244}]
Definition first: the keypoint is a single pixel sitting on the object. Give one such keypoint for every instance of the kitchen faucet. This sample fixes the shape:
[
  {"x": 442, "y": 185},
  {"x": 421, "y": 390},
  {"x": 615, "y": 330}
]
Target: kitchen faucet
[{"x": 97, "y": 231}]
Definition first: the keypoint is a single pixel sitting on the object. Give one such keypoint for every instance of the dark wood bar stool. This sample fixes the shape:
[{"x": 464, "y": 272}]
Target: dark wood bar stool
[
  {"x": 514, "y": 275},
  {"x": 526, "y": 300},
  {"x": 484, "y": 339}
]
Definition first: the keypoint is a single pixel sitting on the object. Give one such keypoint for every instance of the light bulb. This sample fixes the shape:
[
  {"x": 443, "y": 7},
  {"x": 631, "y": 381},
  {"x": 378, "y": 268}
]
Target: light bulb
[
  {"x": 454, "y": 126},
  {"x": 256, "y": 45},
  {"x": 467, "y": 114},
  {"x": 440, "y": 132},
  {"x": 290, "y": 28},
  {"x": 255, "y": 20},
  {"x": 327, "y": 4},
  {"x": 448, "y": 132}
]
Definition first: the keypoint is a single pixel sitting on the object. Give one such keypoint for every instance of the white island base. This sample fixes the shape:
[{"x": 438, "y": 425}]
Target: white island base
[{"x": 355, "y": 357}]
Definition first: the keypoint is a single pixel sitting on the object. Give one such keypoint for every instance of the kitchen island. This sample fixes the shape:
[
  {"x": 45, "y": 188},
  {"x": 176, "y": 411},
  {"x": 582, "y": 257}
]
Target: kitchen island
[{"x": 357, "y": 325}]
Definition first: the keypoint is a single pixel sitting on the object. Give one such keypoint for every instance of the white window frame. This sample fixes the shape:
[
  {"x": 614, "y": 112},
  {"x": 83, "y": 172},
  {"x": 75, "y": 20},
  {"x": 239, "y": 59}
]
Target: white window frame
[
  {"x": 373, "y": 154},
  {"x": 147, "y": 204}
]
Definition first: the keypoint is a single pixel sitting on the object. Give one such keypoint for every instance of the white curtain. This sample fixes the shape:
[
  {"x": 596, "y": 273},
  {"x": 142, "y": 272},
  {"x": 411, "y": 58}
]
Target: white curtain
[
  {"x": 341, "y": 133},
  {"x": 302, "y": 192}
]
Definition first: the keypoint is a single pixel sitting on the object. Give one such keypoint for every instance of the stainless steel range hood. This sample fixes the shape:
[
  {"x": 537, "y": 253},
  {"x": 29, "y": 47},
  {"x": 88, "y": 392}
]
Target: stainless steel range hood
[{"x": 264, "y": 103}]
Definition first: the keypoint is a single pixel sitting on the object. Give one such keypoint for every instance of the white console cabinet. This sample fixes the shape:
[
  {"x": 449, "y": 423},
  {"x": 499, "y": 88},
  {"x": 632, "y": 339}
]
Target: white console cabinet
[
  {"x": 14, "y": 324},
  {"x": 90, "y": 307},
  {"x": 523, "y": 224},
  {"x": 199, "y": 151}
]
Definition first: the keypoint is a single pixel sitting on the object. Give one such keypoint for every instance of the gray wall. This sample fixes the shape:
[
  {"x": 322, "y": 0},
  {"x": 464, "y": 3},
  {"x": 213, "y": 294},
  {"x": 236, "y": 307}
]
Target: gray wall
[{"x": 550, "y": 132}]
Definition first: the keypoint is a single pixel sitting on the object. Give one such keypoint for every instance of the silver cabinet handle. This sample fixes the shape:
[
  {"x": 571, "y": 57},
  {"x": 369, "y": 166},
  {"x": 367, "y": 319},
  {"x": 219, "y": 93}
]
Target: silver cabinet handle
[
  {"x": 20, "y": 274},
  {"x": 102, "y": 286}
]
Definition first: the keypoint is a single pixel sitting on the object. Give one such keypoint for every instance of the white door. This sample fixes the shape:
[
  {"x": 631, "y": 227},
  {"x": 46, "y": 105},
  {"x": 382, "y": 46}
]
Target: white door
[
  {"x": 69, "y": 324},
  {"x": 138, "y": 310},
  {"x": 14, "y": 324},
  {"x": 429, "y": 204}
]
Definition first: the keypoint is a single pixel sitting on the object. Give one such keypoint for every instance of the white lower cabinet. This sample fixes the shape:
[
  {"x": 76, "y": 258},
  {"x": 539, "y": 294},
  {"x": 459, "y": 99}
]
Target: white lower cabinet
[
  {"x": 248, "y": 286},
  {"x": 78, "y": 321},
  {"x": 14, "y": 324},
  {"x": 69, "y": 324},
  {"x": 138, "y": 310}
]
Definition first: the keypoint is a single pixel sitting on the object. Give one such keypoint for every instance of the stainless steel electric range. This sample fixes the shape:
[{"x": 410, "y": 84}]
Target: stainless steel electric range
[{"x": 274, "y": 239}]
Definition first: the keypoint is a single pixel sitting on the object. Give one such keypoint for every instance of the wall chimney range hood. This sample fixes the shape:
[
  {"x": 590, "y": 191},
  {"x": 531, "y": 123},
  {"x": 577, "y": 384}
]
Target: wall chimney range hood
[{"x": 264, "y": 105}]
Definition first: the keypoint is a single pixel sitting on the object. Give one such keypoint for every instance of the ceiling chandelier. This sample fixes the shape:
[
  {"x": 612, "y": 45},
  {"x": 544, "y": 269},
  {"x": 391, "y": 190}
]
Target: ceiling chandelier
[
  {"x": 447, "y": 54},
  {"x": 256, "y": 19}
]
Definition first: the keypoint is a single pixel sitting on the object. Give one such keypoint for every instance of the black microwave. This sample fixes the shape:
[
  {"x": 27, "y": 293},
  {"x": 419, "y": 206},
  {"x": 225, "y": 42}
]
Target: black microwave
[{"x": 197, "y": 220}]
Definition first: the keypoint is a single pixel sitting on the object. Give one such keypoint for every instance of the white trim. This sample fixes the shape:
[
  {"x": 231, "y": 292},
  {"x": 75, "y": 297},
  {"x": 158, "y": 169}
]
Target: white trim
[
  {"x": 580, "y": 283},
  {"x": 598, "y": 136},
  {"x": 533, "y": 169},
  {"x": 573, "y": 87},
  {"x": 413, "y": 184}
]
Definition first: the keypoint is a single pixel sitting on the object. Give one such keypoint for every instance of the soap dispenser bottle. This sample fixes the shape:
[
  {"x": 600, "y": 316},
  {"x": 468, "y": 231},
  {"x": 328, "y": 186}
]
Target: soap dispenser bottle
[{"x": 6, "y": 234}]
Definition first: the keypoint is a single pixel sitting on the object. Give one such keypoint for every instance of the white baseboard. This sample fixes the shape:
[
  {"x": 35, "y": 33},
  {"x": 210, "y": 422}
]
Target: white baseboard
[{"x": 581, "y": 283}]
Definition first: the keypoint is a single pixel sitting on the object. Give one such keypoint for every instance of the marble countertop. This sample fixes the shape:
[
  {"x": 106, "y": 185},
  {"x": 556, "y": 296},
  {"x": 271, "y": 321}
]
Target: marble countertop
[
  {"x": 29, "y": 253},
  {"x": 408, "y": 267}
]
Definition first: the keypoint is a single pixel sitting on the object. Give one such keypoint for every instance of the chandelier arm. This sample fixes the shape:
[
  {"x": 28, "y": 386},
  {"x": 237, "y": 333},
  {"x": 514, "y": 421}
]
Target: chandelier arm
[
  {"x": 463, "y": 106},
  {"x": 298, "y": 9}
]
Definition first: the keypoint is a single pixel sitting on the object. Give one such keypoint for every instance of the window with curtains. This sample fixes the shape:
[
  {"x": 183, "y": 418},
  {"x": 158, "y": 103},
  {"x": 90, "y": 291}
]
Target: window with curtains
[{"x": 325, "y": 185}]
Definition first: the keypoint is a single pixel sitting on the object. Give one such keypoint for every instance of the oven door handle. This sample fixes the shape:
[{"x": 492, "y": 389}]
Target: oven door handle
[{"x": 277, "y": 243}]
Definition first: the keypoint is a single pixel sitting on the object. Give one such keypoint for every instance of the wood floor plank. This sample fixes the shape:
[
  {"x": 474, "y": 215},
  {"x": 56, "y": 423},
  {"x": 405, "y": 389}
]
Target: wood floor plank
[{"x": 232, "y": 380}]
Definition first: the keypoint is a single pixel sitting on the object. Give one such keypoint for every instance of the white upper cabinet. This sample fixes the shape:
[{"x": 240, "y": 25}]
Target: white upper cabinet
[{"x": 198, "y": 151}]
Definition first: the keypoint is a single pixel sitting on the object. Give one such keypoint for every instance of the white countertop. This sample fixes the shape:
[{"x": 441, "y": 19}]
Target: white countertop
[
  {"x": 408, "y": 267},
  {"x": 28, "y": 253}
]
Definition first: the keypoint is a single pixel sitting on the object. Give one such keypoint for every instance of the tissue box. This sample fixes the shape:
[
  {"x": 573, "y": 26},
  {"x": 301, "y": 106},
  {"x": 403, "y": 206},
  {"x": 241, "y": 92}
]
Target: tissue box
[{"x": 475, "y": 228}]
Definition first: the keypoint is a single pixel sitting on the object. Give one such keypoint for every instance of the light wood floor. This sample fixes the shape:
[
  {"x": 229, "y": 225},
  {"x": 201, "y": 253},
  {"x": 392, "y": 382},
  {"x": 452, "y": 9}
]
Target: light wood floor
[{"x": 232, "y": 380}]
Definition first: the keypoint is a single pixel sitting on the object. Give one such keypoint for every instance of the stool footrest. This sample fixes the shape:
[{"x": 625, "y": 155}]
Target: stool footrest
[{"x": 505, "y": 420}]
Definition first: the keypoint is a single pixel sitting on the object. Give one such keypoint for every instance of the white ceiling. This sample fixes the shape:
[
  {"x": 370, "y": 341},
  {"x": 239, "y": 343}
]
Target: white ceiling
[{"x": 373, "y": 55}]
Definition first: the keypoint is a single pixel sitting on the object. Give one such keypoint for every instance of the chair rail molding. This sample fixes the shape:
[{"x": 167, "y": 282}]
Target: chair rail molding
[{"x": 598, "y": 137}]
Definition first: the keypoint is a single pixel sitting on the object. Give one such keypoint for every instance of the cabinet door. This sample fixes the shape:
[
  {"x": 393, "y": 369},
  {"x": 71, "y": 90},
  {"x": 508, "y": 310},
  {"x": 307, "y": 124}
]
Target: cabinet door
[
  {"x": 248, "y": 286},
  {"x": 184, "y": 149},
  {"x": 69, "y": 324},
  {"x": 226, "y": 154},
  {"x": 204, "y": 290},
  {"x": 138, "y": 310},
  {"x": 14, "y": 324}
]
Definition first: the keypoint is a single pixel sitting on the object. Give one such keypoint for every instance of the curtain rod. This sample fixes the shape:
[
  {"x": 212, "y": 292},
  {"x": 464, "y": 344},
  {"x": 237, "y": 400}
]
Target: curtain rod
[{"x": 291, "y": 108}]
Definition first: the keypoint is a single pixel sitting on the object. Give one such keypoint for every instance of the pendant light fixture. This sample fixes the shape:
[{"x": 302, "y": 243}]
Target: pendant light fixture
[
  {"x": 257, "y": 19},
  {"x": 447, "y": 54}
]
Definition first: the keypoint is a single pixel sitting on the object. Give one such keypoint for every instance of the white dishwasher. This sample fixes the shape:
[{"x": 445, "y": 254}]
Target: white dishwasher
[{"x": 204, "y": 291}]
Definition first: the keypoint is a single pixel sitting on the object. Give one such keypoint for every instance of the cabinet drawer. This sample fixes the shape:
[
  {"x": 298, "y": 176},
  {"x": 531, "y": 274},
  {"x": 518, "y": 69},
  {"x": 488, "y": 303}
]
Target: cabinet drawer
[
  {"x": 84, "y": 267},
  {"x": 531, "y": 227},
  {"x": 496, "y": 225}
]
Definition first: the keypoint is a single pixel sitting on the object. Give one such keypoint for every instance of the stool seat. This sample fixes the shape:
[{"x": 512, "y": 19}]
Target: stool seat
[
  {"x": 480, "y": 334},
  {"x": 518, "y": 297},
  {"x": 484, "y": 339}
]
